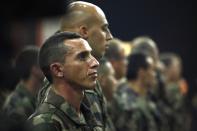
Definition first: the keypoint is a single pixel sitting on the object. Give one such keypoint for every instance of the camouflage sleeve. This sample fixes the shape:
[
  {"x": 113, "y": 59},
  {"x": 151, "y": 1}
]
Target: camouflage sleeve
[
  {"x": 44, "y": 122},
  {"x": 18, "y": 109},
  {"x": 44, "y": 127}
]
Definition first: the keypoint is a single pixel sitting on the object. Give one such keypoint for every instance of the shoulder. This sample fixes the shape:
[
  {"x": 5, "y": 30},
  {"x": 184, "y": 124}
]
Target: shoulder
[
  {"x": 13, "y": 101},
  {"x": 45, "y": 121},
  {"x": 124, "y": 98},
  {"x": 18, "y": 99}
]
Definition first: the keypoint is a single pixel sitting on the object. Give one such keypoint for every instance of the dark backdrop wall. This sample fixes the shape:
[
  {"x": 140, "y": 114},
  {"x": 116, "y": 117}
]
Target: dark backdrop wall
[{"x": 171, "y": 24}]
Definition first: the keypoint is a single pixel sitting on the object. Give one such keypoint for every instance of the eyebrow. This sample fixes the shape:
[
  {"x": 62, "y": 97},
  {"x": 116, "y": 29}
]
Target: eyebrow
[
  {"x": 86, "y": 52},
  {"x": 106, "y": 25}
]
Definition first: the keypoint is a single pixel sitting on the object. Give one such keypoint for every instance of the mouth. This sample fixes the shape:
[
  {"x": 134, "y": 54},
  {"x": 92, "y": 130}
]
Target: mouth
[
  {"x": 93, "y": 75},
  {"x": 106, "y": 47}
]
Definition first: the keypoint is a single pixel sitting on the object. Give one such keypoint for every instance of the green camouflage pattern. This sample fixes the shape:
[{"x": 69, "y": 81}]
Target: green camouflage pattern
[
  {"x": 20, "y": 104},
  {"x": 178, "y": 114},
  {"x": 55, "y": 114},
  {"x": 98, "y": 105},
  {"x": 95, "y": 100},
  {"x": 133, "y": 112}
]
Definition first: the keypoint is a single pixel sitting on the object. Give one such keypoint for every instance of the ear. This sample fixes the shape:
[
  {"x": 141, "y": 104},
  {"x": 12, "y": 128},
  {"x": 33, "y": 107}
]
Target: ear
[
  {"x": 83, "y": 31},
  {"x": 57, "y": 70}
]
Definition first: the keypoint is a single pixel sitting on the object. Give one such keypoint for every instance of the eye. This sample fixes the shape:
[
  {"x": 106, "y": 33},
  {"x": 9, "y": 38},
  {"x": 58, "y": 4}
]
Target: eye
[
  {"x": 83, "y": 56},
  {"x": 105, "y": 28}
]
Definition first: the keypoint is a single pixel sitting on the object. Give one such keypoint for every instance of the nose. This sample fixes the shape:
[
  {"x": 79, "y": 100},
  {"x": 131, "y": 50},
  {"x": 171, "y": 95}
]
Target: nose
[
  {"x": 109, "y": 36},
  {"x": 93, "y": 63}
]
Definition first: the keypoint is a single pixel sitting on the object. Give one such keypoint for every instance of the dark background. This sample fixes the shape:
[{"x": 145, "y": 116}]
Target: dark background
[{"x": 171, "y": 24}]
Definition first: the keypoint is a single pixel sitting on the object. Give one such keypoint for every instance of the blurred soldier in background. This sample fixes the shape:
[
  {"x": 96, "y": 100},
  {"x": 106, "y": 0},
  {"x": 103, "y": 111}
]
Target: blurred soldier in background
[
  {"x": 176, "y": 90},
  {"x": 117, "y": 57},
  {"x": 145, "y": 45},
  {"x": 21, "y": 103},
  {"x": 135, "y": 111},
  {"x": 106, "y": 77}
]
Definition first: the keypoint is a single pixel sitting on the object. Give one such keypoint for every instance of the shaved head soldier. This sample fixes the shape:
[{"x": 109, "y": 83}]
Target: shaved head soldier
[{"x": 90, "y": 22}]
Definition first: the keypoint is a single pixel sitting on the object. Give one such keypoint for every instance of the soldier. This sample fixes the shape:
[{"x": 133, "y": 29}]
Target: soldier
[
  {"x": 134, "y": 109},
  {"x": 106, "y": 77},
  {"x": 90, "y": 22},
  {"x": 21, "y": 103},
  {"x": 175, "y": 92},
  {"x": 148, "y": 46},
  {"x": 65, "y": 59},
  {"x": 117, "y": 57}
]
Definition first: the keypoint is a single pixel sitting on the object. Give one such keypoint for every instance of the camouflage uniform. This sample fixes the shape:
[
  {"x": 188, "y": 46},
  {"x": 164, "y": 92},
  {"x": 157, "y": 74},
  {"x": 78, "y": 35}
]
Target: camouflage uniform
[
  {"x": 133, "y": 112},
  {"x": 158, "y": 96},
  {"x": 171, "y": 104},
  {"x": 20, "y": 104},
  {"x": 95, "y": 100},
  {"x": 176, "y": 102},
  {"x": 55, "y": 114}
]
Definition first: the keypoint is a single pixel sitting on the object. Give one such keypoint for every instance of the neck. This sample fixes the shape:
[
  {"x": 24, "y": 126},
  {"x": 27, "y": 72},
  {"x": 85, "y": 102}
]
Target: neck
[
  {"x": 138, "y": 87},
  {"x": 28, "y": 84},
  {"x": 73, "y": 94},
  {"x": 118, "y": 77}
]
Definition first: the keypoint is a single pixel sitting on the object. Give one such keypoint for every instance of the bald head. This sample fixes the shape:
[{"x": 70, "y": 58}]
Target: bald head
[
  {"x": 146, "y": 46},
  {"x": 90, "y": 22},
  {"x": 80, "y": 13}
]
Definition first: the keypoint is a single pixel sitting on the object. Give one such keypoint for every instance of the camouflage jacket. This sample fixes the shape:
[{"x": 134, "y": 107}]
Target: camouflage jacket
[
  {"x": 55, "y": 114},
  {"x": 133, "y": 112},
  {"x": 95, "y": 100},
  {"x": 178, "y": 116},
  {"x": 20, "y": 104}
]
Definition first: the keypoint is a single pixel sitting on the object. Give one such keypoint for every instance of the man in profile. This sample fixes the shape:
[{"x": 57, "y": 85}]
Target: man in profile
[
  {"x": 90, "y": 22},
  {"x": 66, "y": 61}
]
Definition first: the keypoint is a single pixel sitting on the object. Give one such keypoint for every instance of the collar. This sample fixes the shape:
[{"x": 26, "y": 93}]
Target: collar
[{"x": 60, "y": 103}]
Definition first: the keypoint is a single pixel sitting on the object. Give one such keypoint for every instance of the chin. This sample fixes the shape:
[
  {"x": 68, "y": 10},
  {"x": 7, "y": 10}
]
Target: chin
[{"x": 91, "y": 86}]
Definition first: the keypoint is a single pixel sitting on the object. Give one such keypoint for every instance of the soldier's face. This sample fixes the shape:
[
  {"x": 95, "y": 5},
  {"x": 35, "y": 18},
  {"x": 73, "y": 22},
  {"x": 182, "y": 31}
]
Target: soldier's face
[
  {"x": 80, "y": 67},
  {"x": 108, "y": 81},
  {"x": 120, "y": 65},
  {"x": 174, "y": 70},
  {"x": 99, "y": 34},
  {"x": 150, "y": 73}
]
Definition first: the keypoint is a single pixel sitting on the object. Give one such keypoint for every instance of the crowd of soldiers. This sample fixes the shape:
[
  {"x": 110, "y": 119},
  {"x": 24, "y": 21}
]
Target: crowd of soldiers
[{"x": 83, "y": 79}]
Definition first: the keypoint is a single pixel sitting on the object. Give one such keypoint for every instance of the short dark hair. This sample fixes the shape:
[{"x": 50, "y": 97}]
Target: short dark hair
[
  {"x": 54, "y": 50},
  {"x": 167, "y": 58},
  {"x": 26, "y": 59},
  {"x": 136, "y": 62}
]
